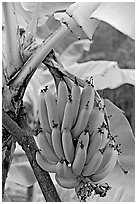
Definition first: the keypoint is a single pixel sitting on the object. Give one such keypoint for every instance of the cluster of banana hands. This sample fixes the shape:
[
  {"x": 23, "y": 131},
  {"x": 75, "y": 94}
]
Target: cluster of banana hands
[{"x": 75, "y": 141}]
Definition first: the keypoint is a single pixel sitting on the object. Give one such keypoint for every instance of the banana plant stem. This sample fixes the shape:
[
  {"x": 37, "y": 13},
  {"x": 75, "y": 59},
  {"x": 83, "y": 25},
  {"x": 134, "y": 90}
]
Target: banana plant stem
[
  {"x": 14, "y": 60},
  {"x": 24, "y": 137},
  {"x": 34, "y": 61}
]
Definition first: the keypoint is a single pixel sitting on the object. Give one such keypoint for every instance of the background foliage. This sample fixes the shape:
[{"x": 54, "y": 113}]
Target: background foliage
[{"x": 118, "y": 47}]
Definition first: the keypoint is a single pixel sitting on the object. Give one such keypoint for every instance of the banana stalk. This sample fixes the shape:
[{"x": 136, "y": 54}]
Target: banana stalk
[{"x": 38, "y": 56}]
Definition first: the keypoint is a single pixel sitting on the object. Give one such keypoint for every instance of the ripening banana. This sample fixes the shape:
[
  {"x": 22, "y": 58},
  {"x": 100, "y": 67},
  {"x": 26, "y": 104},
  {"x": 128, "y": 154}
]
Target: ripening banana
[
  {"x": 105, "y": 138},
  {"x": 60, "y": 168},
  {"x": 81, "y": 122},
  {"x": 43, "y": 114},
  {"x": 80, "y": 158},
  {"x": 67, "y": 183},
  {"x": 68, "y": 115},
  {"x": 46, "y": 148},
  {"x": 94, "y": 145},
  {"x": 68, "y": 146},
  {"x": 76, "y": 100},
  {"x": 61, "y": 99},
  {"x": 48, "y": 136},
  {"x": 107, "y": 155},
  {"x": 87, "y": 95},
  {"x": 45, "y": 164},
  {"x": 96, "y": 118},
  {"x": 57, "y": 141},
  {"x": 93, "y": 164},
  {"x": 68, "y": 171},
  {"x": 84, "y": 137},
  {"x": 51, "y": 107},
  {"x": 99, "y": 175}
]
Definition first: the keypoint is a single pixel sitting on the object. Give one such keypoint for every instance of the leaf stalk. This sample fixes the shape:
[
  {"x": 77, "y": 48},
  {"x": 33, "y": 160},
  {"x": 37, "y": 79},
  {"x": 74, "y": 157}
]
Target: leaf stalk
[{"x": 14, "y": 60}]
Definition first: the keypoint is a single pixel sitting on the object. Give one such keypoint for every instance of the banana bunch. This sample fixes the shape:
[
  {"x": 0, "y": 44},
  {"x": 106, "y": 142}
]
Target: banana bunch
[{"x": 75, "y": 142}]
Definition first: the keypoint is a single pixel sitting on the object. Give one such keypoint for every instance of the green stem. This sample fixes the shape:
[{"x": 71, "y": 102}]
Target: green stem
[
  {"x": 14, "y": 60},
  {"x": 37, "y": 57}
]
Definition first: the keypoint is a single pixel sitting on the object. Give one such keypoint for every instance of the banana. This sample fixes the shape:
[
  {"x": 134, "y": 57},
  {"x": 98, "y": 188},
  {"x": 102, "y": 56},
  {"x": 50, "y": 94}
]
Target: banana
[
  {"x": 99, "y": 175},
  {"x": 57, "y": 141},
  {"x": 68, "y": 171},
  {"x": 93, "y": 164},
  {"x": 81, "y": 122},
  {"x": 76, "y": 100},
  {"x": 96, "y": 118},
  {"x": 107, "y": 156},
  {"x": 80, "y": 158},
  {"x": 51, "y": 107},
  {"x": 61, "y": 99},
  {"x": 67, "y": 183},
  {"x": 84, "y": 137},
  {"x": 87, "y": 95},
  {"x": 45, "y": 164},
  {"x": 60, "y": 168},
  {"x": 43, "y": 114},
  {"x": 45, "y": 147},
  {"x": 94, "y": 145},
  {"x": 68, "y": 146},
  {"x": 48, "y": 136},
  {"x": 68, "y": 115},
  {"x": 105, "y": 139}
]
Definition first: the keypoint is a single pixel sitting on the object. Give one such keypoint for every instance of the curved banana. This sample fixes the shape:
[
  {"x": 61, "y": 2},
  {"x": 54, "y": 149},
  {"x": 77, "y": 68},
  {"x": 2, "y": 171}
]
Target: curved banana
[
  {"x": 60, "y": 168},
  {"x": 99, "y": 175},
  {"x": 80, "y": 158},
  {"x": 68, "y": 171},
  {"x": 94, "y": 145},
  {"x": 45, "y": 147},
  {"x": 81, "y": 122},
  {"x": 84, "y": 137},
  {"x": 87, "y": 95},
  {"x": 76, "y": 100},
  {"x": 48, "y": 136},
  {"x": 57, "y": 141},
  {"x": 96, "y": 119},
  {"x": 68, "y": 146},
  {"x": 93, "y": 164},
  {"x": 51, "y": 107},
  {"x": 107, "y": 156},
  {"x": 68, "y": 115},
  {"x": 67, "y": 183},
  {"x": 45, "y": 164},
  {"x": 105, "y": 138},
  {"x": 43, "y": 114},
  {"x": 61, "y": 99},
  {"x": 84, "y": 140}
]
